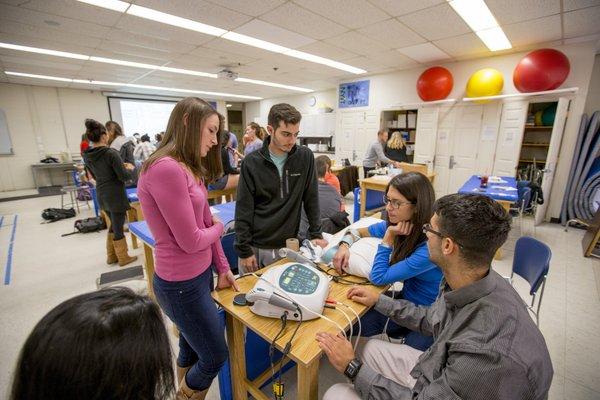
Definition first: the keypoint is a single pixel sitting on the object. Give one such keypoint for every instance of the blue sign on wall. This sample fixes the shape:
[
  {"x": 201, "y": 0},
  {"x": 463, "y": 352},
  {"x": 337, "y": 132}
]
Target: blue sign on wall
[
  {"x": 213, "y": 104},
  {"x": 354, "y": 94}
]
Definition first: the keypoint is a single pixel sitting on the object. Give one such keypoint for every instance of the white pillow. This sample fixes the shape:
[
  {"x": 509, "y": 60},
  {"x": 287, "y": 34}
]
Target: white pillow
[{"x": 362, "y": 256}]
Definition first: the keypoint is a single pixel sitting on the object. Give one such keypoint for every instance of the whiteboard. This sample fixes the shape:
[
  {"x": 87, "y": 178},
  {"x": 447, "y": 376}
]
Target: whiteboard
[{"x": 5, "y": 142}]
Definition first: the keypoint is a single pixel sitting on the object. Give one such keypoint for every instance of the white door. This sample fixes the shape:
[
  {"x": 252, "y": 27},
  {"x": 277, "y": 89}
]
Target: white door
[
  {"x": 443, "y": 149},
  {"x": 426, "y": 136},
  {"x": 552, "y": 158},
  {"x": 457, "y": 145},
  {"x": 344, "y": 141},
  {"x": 510, "y": 135},
  {"x": 465, "y": 142},
  {"x": 367, "y": 125}
]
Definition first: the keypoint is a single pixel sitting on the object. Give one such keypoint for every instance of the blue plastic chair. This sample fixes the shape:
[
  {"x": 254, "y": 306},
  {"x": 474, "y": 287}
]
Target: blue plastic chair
[
  {"x": 374, "y": 200},
  {"x": 227, "y": 241},
  {"x": 532, "y": 263}
]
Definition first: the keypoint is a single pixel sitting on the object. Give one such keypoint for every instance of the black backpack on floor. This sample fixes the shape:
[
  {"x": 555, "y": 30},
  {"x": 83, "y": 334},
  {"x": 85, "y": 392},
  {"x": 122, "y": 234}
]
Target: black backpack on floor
[
  {"x": 56, "y": 214},
  {"x": 88, "y": 225}
]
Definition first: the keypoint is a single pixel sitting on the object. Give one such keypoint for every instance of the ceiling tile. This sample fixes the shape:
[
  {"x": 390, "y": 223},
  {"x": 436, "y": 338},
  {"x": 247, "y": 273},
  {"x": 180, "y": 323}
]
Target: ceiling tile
[
  {"x": 157, "y": 30},
  {"x": 43, "y": 43},
  {"x": 401, "y": 7},
  {"x": 62, "y": 39},
  {"x": 36, "y": 18},
  {"x": 463, "y": 45},
  {"x": 36, "y": 82},
  {"x": 353, "y": 14},
  {"x": 327, "y": 50},
  {"x": 424, "y": 53},
  {"x": 74, "y": 10},
  {"x": 392, "y": 33},
  {"x": 301, "y": 20},
  {"x": 124, "y": 51},
  {"x": 200, "y": 11},
  {"x": 238, "y": 48},
  {"x": 254, "y": 8},
  {"x": 570, "y": 5},
  {"x": 437, "y": 22},
  {"x": 508, "y": 12},
  {"x": 207, "y": 56},
  {"x": 393, "y": 59},
  {"x": 357, "y": 43},
  {"x": 39, "y": 60},
  {"x": 274, "y": 34},
  {"x": 582, "y": 22},
  {"x": 140, "y": 40},
  {"x": 531, "y": 32}
]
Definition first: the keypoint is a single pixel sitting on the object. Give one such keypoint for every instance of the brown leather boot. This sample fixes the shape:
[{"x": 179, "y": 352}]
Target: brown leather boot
[
  {"x": 185, "y": 393},
  {"x": 181, "y": 373},
  {"x": 121, "y": 250},
  {"x": 111, "y": 256}
]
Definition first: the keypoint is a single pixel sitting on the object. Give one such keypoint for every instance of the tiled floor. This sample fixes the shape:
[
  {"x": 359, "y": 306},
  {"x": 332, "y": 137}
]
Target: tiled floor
[{"x": 47, "y": 269}]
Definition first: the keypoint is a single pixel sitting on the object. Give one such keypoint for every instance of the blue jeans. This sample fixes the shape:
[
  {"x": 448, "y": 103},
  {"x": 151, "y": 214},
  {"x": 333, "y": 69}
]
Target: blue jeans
[
  {"x": 373, "y": 322},
  {"x": 201, "y": 332}
]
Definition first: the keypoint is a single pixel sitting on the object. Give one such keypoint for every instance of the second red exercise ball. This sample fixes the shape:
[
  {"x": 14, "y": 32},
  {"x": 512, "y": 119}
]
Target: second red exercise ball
[
  {"x": 543, "y": 69},
  {"x": 435, "y": 83}
]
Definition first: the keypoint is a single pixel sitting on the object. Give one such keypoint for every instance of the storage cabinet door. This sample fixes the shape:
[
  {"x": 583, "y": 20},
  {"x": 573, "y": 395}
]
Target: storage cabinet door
[
  {"x": 427, "y": 124},
  {"x": 558, "y": 129},
  {"x": 508, "y": 148}
]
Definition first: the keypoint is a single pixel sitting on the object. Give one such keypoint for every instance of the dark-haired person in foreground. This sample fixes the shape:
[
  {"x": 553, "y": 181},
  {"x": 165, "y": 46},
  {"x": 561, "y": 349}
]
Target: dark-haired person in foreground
[
  {"x": 275, "y": 182},
  {"x": 111, "y": 174},
  {"x": 486, "y": 346},
  {"x": 109, "y": 344}
]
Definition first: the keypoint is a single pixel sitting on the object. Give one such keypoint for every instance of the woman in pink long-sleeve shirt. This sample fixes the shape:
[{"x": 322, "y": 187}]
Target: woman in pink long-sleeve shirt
[{"x": 173, "y": 196}]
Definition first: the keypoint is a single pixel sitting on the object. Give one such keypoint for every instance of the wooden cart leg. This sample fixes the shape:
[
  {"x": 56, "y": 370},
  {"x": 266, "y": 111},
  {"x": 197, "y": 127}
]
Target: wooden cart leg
[
  {"x": 132, "y": 217},
  {"x": 149, "y": 267},
  {"x": 237, "y": 357},
  {"x": 308, "y": 381}
]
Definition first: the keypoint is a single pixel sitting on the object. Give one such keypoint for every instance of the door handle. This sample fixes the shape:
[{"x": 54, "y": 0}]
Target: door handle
[{"x": 451, "y": 163}]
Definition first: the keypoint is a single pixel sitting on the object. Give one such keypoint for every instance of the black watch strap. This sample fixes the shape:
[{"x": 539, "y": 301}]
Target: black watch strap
[{"x": 352, "y": 369}]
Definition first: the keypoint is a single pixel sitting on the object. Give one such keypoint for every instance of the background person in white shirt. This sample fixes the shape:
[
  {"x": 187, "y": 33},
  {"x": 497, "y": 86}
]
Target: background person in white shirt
[{"x": 375, "y": 155}]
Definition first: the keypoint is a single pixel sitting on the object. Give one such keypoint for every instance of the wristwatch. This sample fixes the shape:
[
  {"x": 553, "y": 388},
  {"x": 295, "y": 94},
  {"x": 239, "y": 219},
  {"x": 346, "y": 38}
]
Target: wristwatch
[{"x": 353, "y": 368}]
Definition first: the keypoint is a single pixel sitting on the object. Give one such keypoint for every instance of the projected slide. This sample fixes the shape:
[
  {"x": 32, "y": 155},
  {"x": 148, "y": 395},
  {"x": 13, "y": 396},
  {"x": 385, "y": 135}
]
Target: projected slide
[{"x": 145, "y": 117}]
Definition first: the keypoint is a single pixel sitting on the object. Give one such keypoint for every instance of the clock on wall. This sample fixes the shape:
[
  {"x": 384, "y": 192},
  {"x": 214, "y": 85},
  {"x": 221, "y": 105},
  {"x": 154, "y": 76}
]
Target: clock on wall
[{"x": 312, "y": 101}]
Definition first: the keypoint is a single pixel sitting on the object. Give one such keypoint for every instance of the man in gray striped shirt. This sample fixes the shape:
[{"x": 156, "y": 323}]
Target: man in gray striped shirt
[{"x": 486, "y": 345}]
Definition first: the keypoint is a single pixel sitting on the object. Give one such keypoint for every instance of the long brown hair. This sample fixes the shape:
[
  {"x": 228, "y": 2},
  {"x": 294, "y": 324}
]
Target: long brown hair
[
  {"x": 182, "y": 141},
  {"x": 418, "y": 190},
  {"x": 114, "y": 130},
  {"x": 256, "y": 128}
]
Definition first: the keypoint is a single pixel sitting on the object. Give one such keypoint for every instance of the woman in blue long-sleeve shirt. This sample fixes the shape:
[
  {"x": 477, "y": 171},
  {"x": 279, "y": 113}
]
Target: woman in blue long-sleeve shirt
[{"x": 402, "y": 255}]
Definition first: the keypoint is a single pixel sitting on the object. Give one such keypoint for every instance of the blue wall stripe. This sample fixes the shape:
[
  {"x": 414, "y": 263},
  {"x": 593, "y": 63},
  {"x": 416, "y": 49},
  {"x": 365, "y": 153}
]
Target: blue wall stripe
[
  {"x": 8, "y": 268},
  {"x": 1, "y": 221}
]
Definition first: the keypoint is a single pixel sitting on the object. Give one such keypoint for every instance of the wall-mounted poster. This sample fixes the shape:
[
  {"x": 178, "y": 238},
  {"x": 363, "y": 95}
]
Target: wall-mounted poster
[{"x": 354, "y": 94}]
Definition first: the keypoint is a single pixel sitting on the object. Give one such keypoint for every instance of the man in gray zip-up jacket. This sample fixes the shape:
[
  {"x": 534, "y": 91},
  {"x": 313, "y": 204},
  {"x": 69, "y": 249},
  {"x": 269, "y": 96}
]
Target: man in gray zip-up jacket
[
  {"x": 275, "y": 182},
  {"x": 486, "y": 346}
]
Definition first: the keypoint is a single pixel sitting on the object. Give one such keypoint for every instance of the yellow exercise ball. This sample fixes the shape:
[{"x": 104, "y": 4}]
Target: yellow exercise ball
[
  {"x": 537, "y": 118},
  {"x": 485, "y": 82}
]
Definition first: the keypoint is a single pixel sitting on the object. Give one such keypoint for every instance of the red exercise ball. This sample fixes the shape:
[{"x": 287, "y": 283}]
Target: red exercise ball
[
  {"x": 435, "y": 84},
  {"x": 543, "y": 69}
]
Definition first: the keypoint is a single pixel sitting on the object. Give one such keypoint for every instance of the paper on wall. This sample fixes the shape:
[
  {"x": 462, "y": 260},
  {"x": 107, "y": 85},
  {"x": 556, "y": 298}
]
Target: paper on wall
[{"x": 488, "y": 133}]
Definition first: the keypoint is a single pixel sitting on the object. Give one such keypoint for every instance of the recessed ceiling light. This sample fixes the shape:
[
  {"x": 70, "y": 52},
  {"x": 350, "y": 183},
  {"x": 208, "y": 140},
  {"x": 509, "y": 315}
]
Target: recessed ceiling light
[
  {"x": 105, "y": 83},
  {"x": 158, "y": 16},
  {"x": 228, "y": 105},
  {"x": 481, "y": 20},
  {"x": 44, "y": 51},
  {"x": 145, "y": 66}
]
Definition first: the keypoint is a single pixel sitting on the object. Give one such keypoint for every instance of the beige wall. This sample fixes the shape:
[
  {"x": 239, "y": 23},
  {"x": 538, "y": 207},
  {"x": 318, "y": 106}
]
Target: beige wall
[
  {"x": 43, "y": 121},
  {"x": 593, "y": 99}
]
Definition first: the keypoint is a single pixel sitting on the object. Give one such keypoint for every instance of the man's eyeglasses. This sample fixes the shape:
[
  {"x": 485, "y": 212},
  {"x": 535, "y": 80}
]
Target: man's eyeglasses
[
  {"x": 395, "y": 204},
  {"x": 428, "y": 228}
]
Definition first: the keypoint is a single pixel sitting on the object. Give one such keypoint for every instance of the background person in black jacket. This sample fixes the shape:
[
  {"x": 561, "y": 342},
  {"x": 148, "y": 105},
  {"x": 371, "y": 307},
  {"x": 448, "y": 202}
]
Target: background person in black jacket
[
  {"x": 275, "y": 182},
  {"x": 125, "y": 146},
  {"x": 110, "y": 174}
]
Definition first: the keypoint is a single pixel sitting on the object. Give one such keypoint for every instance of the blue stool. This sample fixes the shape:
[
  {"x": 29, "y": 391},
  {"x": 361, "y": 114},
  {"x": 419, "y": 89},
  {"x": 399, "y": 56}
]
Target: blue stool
[{"x": 257, "y": 361}]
